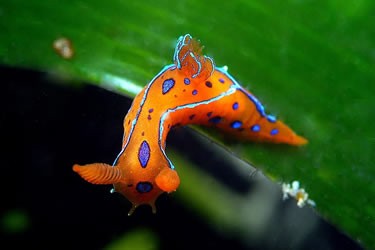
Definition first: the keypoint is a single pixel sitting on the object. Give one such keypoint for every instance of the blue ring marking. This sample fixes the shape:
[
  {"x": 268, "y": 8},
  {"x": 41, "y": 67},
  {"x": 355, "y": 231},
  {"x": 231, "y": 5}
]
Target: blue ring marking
[
  {"x": 187, "y": 81},
  {"x": 235, "y": 106},
  {"x": 274, "y": 131},
  {"x": 144, "y": 154},
  {"x": 209, "y": 114},
  {"x": 255, "y": 128},
  {"x": 194, "y": 92},
  {"x": 209, "y": 84},
  {"x": 151, "y": 110},
  {"x": 168, "y": 85},
  {"x": 236, "y": 124},
  {"x": 144, "y": 187},
  {"x": 215, "y": 119},
  {"x": 271, "y": 118},
  {"x": 221, "y": 80}
]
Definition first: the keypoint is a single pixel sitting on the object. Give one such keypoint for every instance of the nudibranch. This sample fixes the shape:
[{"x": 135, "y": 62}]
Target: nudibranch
[{"x": 190, "y": 91}]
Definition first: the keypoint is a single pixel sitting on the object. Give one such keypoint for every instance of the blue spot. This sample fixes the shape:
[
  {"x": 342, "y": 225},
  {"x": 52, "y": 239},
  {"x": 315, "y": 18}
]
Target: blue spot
[
  {"x": 150, "y": 110},
  {"x": 167, "y": 85},
  {"x": 144, "y": 154},
  {"x": 215, "y": 119},
  {"x": 194, "y": 92},
  {"x": 236, "y": 124},
  {"x": 235, "y": 106},
  {"x": 271, "y": 118},
  {"x": 274, "y": 131},
  {"x": 221, "y": 80},
  {"x": 255, "y": 128},
  {"x": 187, "y": 81},
  {"x": 144, "y": 187},
  {"x": 209, "y": 84},
  {"x": 209, "y": 114}
]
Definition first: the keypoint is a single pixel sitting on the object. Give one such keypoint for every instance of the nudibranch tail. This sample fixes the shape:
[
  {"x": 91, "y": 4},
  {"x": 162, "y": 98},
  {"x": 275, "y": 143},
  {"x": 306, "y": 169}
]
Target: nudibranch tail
[
  {"x": 99, "y": 173},
  {"x": 299, "y": 141},
  {"x": 189, "y": 59}
]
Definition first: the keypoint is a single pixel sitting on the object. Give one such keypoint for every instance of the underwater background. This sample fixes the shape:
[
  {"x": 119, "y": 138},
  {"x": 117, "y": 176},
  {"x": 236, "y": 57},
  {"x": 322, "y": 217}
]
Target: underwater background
[{"x": 312, "y": 63}]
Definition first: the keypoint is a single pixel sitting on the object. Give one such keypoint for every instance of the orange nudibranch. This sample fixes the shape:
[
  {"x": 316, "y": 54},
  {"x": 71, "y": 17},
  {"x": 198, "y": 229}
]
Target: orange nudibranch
[{"x": 190, "y": 91}]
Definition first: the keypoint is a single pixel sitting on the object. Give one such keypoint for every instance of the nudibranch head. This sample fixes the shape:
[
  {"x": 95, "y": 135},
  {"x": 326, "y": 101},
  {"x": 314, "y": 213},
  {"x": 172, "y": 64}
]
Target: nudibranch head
[
  {"x": 137, "y": 186},
  {"x": 148, "y": 174}
]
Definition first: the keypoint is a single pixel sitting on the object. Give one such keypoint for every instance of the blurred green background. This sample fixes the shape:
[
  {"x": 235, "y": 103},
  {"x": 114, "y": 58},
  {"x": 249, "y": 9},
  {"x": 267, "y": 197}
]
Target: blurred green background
[{"x": 311, "y": 63}]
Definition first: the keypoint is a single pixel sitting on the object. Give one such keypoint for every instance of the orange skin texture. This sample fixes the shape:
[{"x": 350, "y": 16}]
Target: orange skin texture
[{"x": 190, "y": 91}]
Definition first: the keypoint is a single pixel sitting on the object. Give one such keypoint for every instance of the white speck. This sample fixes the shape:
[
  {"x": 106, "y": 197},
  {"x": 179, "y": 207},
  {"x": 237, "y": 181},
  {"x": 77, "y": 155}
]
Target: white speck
[
  {"x": 225, "y": 68},
  {"x": 63, "y": 46},
  {"x": 293, "y": 190}
]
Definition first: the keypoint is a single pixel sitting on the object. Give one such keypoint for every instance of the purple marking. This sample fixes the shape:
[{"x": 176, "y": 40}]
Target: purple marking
[
  {"x": 149, "y": 117},
  {"x": 150, "y": 110},
  {"x": 144, "y": 187},
  {"x": 209, "y": 114},
  {"x": 144, "y": 154},
  {"x": 221, "y": 80},
  {"x": 194, "y": 92},
  {"x": 274, "y": 131},
  {"x": 167, "y": 85},
  {"x": 235, "y": 106},
  {"x": 209, "y": 84},
  {"x": 215, "y": 119},
  {"x": 255, "y": 128},
  {"x": 187, "y": 81},
  {"x": 236, "y": 124}
]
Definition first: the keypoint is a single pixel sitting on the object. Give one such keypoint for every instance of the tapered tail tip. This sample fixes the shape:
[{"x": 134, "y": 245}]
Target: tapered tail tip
[{"x": 300, "y": 141}]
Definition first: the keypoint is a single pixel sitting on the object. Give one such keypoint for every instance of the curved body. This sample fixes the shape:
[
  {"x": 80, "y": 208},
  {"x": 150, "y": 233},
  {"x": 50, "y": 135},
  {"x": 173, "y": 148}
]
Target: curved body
[{"x": 190, "y": 91}]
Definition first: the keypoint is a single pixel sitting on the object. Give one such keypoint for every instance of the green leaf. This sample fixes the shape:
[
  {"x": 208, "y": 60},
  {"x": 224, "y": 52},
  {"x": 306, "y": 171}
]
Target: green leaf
[
  {"x": 310, "y": 62},
  {"x": 138, "y": 239}
]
